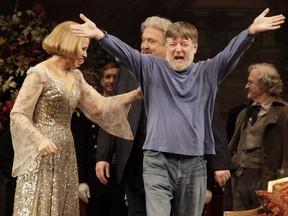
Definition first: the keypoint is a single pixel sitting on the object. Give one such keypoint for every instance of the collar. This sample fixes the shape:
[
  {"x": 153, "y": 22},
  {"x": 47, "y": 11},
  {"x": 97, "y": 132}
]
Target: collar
[{"x": 268, "y": 103}]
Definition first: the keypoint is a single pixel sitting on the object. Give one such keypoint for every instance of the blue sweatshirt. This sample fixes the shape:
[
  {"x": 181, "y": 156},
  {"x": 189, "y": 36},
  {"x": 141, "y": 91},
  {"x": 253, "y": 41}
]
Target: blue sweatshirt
[{"x": 179, "y": 105}]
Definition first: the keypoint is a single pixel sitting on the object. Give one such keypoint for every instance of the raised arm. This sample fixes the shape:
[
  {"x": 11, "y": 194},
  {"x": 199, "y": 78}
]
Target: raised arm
[
  {"x": 260, "y": 24},
  {"x": 263, "y": 23}
]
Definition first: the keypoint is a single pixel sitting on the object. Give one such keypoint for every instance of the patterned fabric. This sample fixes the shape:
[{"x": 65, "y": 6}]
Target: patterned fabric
[
  {"x": 281, "y": 187},
  {"x": 275, "y": 202}
]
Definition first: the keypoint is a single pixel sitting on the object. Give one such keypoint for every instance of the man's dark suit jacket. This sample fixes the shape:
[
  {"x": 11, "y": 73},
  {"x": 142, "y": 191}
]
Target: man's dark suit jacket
[
  {"x": 107, "y": 144},
  {"x": 222, "y": 160},
  {"x": 85, "y": 134}
]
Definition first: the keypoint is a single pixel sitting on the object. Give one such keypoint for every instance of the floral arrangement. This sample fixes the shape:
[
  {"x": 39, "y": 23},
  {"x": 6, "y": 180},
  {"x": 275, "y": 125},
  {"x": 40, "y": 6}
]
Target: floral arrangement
[{"x": 21, "y": 35}]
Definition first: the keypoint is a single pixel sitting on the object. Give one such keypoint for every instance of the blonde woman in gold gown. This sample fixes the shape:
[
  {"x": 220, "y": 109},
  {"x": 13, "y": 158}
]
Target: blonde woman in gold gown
[{"x": 45, "y": 160}]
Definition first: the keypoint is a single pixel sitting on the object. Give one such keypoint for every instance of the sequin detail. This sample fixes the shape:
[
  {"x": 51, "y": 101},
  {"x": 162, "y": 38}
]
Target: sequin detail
[{"x": 49, "y": 185}]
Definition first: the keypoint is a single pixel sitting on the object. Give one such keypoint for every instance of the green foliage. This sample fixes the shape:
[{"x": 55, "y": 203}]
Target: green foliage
[{"x": 21, "y": 36}]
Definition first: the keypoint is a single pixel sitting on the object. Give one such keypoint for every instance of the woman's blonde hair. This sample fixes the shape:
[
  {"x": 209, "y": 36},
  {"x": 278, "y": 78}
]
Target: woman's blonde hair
[{"x": 62, "y": 41}]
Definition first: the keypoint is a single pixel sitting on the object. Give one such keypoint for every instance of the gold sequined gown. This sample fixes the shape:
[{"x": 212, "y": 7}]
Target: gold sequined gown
[{"x": 48, "y": 185}]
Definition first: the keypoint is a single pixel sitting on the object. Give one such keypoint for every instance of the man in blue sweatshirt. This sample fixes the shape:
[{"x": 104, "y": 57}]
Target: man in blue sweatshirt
[{"x": 179, "y": 97}]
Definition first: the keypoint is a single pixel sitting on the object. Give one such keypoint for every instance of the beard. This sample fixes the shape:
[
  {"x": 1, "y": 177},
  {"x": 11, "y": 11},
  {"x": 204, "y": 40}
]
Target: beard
[
  {"x": 249, "y": 96},
  {"x": 179, "y": 66},
  {"x": 254, "y": 95}
]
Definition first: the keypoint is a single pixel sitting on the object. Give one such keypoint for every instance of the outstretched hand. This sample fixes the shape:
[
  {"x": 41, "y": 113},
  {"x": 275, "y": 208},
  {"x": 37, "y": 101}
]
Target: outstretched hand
[
  {"x": 263, "y": 23},
  {"x": 87, "y": 29}
]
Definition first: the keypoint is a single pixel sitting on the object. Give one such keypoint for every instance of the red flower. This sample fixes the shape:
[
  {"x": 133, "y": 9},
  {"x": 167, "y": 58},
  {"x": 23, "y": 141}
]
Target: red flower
[{"x": 7, "y": 107}]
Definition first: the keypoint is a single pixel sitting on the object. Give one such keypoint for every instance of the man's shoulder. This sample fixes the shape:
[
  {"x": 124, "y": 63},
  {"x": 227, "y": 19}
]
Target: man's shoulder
[
  {"x": 280, "y": 101},
  {"x": 281, "y": 105}
]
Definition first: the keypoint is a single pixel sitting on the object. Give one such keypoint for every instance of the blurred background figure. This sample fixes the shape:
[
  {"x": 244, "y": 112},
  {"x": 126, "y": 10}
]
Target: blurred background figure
[{"x": 259, "y": 142}]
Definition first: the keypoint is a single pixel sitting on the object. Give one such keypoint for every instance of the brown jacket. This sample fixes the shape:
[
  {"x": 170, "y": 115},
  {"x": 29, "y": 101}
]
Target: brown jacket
[{"x": 274, "y": 151}]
